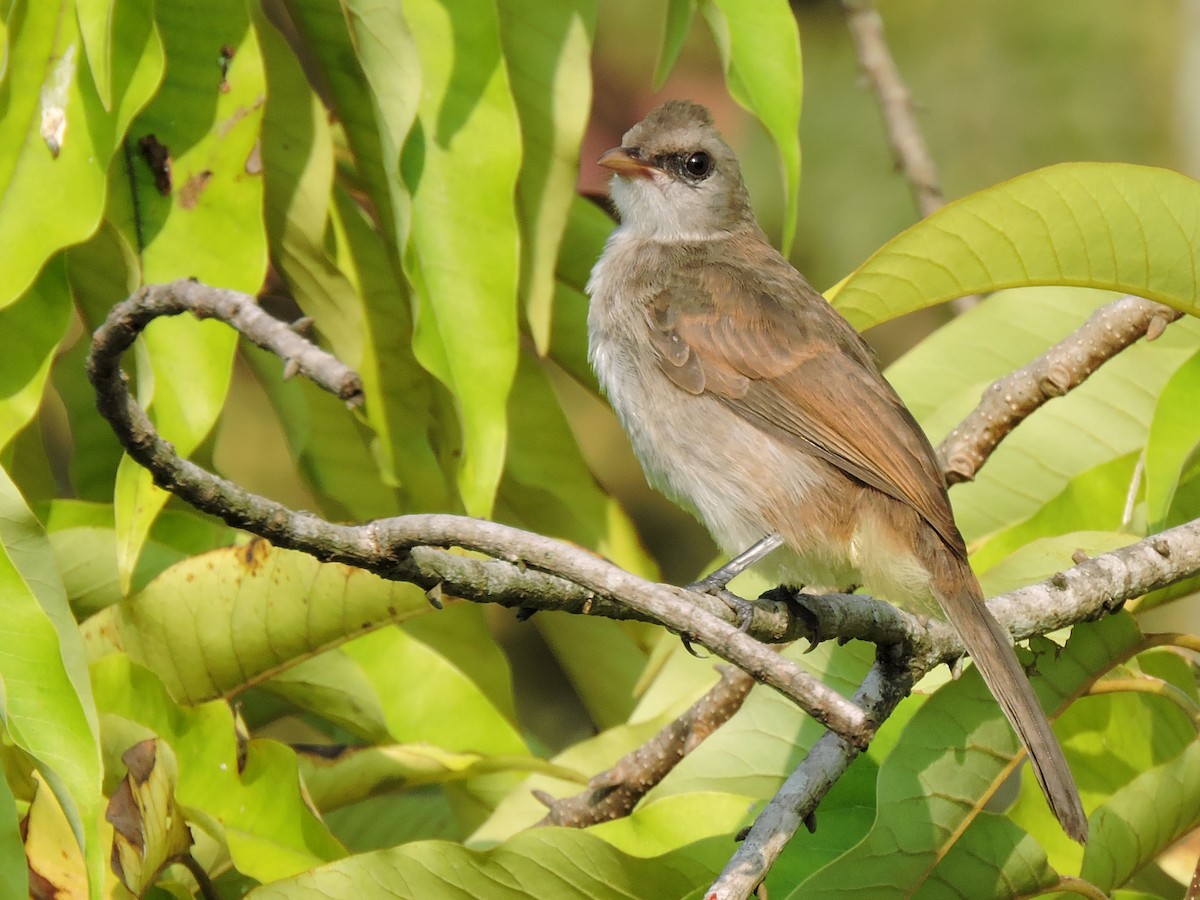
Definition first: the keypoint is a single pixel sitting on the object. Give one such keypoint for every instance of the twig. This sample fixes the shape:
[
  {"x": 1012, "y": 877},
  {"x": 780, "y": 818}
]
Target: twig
[
  {"x": 796, "y": 800},
  {"x": 1063, "y": 367},
  {"x": 615, "y": 792},
  {"x": 895, "y": 101},
  {"x": 908, "y": 145}
]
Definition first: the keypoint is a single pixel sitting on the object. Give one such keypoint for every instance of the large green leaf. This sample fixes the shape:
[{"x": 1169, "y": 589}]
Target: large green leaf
[
  {"x": 400, "y": 395},
  {"x": 930, "y": 830},
  {"x": 14, "y": 872},
  {"x": 102, "y": 271},
  {"x": 545, "y": 862},
  {"x": 40, "y": 320},
  {"x": 548, "y": 49},
  {"x": 53, "y": 198},
  {"x": 1142, "y": 819},
  {"x": 248, "y": 796},
  {"x": 760, "y": 48},
  {"x": 221, "y": 621},
  {"x": 465, "y": 284},
  {"x": 1173, "y": 439},
  {"x": 95, "y": 26},
  {"x": 297, "y": 156},
  {"x": 1112, "y": 226},
  {"x": 1105, "y": 419},
  {"x": 48, "y": 709},
  {"x": 1113, "y": 739},
  {"x": 209, "y": 226}
]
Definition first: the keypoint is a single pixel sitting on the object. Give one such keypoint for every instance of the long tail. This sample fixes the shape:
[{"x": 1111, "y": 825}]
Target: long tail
[{"x": 991, "y": 648}]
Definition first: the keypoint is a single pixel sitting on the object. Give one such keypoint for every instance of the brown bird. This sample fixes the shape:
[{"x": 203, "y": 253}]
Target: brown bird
[{"x": 752, "y": 402}]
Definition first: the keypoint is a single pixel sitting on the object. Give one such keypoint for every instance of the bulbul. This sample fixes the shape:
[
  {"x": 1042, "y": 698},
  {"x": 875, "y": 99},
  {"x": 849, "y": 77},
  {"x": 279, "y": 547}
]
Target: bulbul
[{"x": 749, "y": 400}]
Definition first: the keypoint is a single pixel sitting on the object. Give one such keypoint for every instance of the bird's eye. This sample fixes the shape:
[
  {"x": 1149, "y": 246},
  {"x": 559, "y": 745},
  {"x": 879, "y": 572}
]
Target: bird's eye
[{"x": 699, "y": 165}]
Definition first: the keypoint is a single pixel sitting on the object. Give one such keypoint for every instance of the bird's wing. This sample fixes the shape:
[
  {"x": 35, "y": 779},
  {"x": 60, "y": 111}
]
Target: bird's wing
[{"x": 760, "y": 339}]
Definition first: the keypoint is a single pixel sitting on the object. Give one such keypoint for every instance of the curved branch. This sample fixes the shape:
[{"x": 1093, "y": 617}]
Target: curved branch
[
  {"x": 525, "y": 569},
  {"x": 1065, "y": 366}
]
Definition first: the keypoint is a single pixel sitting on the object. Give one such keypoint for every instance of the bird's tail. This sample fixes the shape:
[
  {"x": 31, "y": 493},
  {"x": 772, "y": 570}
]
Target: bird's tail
[{"x": 991, "y": 648}]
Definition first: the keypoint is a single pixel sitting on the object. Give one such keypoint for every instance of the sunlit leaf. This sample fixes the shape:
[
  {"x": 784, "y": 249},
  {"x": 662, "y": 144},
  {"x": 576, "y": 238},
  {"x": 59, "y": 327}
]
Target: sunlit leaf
[
  {"x": 221, "y": 621},
  {"x": 356, "y": 773},
  {"x": 48, "y": 707},
  {"x": 208, "y": 225},
  {"x": 1112, "y": 226},
  {"x": 545, "y": 862},
  {"x": 1040, "y": 558},
  {"x": 552, "y": 87},
  {"x": 760, "y": 48},
  {"x": 1154, "y": 810},
  {"x": 40, "y": 318},
  {"x": 149, "y": 828},
  {"x": 1174, "y": 436},
  {"x": 1106, "y": 418},
  {"x": 95, "y": 26},
  {"x": 466, "y": 285},
  {"x": 930, "y": 828},
  {"x": 49, "y": 80}
]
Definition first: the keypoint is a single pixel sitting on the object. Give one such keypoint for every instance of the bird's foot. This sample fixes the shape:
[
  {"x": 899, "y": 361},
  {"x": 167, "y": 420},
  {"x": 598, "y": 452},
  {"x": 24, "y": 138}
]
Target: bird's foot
[{"x": 742, "y": 608}]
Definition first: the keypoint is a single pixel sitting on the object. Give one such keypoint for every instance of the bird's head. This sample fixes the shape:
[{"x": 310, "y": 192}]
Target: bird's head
[{"x": 676, "y": 179}]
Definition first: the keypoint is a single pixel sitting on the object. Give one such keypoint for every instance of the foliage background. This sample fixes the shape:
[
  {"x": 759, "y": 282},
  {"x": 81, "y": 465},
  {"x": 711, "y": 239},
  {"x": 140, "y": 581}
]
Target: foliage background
[{"x": 405, "y": 178}]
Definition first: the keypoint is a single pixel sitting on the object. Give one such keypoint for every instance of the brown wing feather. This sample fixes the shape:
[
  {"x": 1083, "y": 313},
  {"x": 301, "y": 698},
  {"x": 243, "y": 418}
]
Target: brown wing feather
[{"x": 766, "y": 344}]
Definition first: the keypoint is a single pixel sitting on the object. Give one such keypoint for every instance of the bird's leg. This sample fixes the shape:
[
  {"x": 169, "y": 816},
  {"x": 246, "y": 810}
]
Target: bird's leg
[{"x": 714, "y": 583}]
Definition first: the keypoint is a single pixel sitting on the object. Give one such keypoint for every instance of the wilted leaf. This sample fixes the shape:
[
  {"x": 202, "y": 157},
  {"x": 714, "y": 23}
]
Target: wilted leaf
[{"x": 149, "y": 829}]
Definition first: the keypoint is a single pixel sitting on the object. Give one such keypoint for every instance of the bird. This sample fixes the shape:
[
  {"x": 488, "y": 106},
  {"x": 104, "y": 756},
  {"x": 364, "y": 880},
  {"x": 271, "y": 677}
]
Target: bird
[{"x": 750, "y": 401}]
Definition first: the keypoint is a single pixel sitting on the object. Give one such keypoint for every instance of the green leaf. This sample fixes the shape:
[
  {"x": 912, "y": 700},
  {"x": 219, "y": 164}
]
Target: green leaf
[
  {"x": 357, "y": 773},
  {"x": 297, "y": 156},
  {"x": 399, "y": 393},
  {"x": 40, "y": 318},
  {"x": 50, "y": 199},
  {"x": 661, "y": 826},
  {"x": 1106, "y": 418},
  {"x": 391, "y": 62},
  {"x": 1092, "y": 501},
  {"x": 760, "y": 49},
  {"x": 102, "y": 271},
  {"x": 676, "y": 27},
  {"x": 545, "y": 862},
  {"x": 1174, "y": 437},
  {"x": 548, "y": 47},
  {"x": 84, "y": 540},
  {"x": 253, "y": 804},
  {"x": 1058, "y": 225},
  {"x": 329, "y": 447},
  {"x": 14, "y": 872},
  {"x": 1143, "y": 818},
  {"x": 48, "y": 709},
  {"x": 588, "y": 227},
  {"x": 930, "y": 829},
  {"x": 466, "y": 322},
  {"x": 209, "y": 227},
  {"x": 219, "y": 622},
  {"x": 1041, "y": 558},
  {"x": 95, "y": 25}
]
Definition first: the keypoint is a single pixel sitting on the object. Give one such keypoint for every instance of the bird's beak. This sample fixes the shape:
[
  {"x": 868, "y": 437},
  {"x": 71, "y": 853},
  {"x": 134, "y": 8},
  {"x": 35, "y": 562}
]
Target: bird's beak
[{"x": 623, "y": 162}]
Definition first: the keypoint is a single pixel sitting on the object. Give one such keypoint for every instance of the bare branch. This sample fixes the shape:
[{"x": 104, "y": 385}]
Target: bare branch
[
  {"x": 796, "y": 800},
  {"x": 895, "y": 101},
  {"x": 525, "y": 569},
  {"x": 1066, "y": 365},
  {"x": 615, "y": 792}
]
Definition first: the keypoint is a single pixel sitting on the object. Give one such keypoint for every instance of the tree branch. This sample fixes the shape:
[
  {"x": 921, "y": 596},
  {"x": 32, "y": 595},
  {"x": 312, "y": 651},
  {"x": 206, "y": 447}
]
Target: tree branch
[
  {"x": 895, "y": 102},
  {"x": 615, "y": 792},
  {"x": 1065, "y": 366},
  {"x": 530, "y": 570}
]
